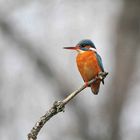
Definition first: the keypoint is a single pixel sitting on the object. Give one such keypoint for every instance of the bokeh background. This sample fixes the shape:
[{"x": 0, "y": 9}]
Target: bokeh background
[{"x": 35, "y": 70}]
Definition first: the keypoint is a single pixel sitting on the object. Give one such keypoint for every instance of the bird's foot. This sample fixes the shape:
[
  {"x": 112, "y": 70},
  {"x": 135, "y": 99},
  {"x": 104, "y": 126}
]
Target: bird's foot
[{"x": 86, "y": 84}]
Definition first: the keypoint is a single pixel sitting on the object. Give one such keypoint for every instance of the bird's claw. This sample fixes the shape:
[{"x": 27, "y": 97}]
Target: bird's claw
[{"x": 86, "y": 84}]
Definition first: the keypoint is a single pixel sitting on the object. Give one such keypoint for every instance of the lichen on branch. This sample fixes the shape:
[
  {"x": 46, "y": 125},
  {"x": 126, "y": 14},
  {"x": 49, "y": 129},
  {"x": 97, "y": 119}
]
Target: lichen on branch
[{"x": 58, "y": 106}]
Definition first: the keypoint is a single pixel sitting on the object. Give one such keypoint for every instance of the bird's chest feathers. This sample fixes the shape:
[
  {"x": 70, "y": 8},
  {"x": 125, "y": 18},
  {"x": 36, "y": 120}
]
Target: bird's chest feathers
[{"x": 87, "y": 65}]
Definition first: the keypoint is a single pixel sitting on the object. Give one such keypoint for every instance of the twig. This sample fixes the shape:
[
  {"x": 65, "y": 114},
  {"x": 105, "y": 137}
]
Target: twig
[{"x": 59, "y": 106}]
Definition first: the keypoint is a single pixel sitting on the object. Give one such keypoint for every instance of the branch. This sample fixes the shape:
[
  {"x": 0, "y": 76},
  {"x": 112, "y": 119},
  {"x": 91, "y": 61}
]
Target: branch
[{"x": 58, "y": 106}]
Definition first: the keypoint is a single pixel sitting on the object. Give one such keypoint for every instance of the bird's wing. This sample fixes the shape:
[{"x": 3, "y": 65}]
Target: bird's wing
[
  {"x": 100, "y": 62},
  {"x": 99, "y": 59}
]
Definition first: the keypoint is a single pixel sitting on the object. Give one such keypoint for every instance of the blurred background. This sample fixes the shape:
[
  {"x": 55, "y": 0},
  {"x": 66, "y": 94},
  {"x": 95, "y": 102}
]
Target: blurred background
[{"x": 35, "y": 70}]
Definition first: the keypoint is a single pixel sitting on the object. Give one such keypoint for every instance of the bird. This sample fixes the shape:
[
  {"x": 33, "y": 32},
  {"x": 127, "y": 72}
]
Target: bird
[{"x": 89, "y": 63}]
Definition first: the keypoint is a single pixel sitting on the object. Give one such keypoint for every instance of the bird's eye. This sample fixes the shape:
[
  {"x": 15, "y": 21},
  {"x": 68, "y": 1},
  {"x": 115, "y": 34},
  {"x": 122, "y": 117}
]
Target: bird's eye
[{"x": 87, "y": 46}]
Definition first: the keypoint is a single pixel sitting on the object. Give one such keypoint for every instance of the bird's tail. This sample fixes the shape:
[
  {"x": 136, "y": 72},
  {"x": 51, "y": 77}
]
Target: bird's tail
[{"x": 95, "y": 87}]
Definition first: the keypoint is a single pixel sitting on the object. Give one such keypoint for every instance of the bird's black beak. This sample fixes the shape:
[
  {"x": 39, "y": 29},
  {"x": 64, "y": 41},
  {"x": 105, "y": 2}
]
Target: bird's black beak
[
  {"x": 77, "y": 47},
  {"x": 70, "y": 48}
]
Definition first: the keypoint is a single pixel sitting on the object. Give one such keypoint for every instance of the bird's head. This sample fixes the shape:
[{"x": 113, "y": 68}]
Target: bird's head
[{"x": 83, "y": 45}]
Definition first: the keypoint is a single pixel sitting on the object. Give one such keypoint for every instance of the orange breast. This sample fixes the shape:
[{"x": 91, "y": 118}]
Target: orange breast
[{"x": 88, "y": 65}]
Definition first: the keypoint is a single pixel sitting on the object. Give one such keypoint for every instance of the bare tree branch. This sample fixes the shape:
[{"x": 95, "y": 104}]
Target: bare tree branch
[{"x": 58, "y": 106}]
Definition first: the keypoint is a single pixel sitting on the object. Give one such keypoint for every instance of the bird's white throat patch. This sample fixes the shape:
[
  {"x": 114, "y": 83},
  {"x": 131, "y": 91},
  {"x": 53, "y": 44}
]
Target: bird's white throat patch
[
  {"x": 93, "y": 49},
  {"x": 80, "y": 51}
]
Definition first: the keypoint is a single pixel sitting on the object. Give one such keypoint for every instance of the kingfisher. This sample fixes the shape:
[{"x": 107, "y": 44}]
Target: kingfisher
[{"x": 89, "y": 63}]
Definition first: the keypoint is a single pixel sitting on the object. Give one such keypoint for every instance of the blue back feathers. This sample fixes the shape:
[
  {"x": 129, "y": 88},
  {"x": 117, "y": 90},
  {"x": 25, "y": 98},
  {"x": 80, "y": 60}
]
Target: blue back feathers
[
  {"x": 100, "y": 61},
  {"x": 86, "y": 42}
]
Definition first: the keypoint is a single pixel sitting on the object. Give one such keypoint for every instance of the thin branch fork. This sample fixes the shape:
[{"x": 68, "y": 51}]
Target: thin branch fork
[{"x": 58, "y": 106}]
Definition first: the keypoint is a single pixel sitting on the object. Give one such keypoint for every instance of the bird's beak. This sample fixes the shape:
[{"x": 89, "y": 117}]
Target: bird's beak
[{"x": 71, "y": 48}]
